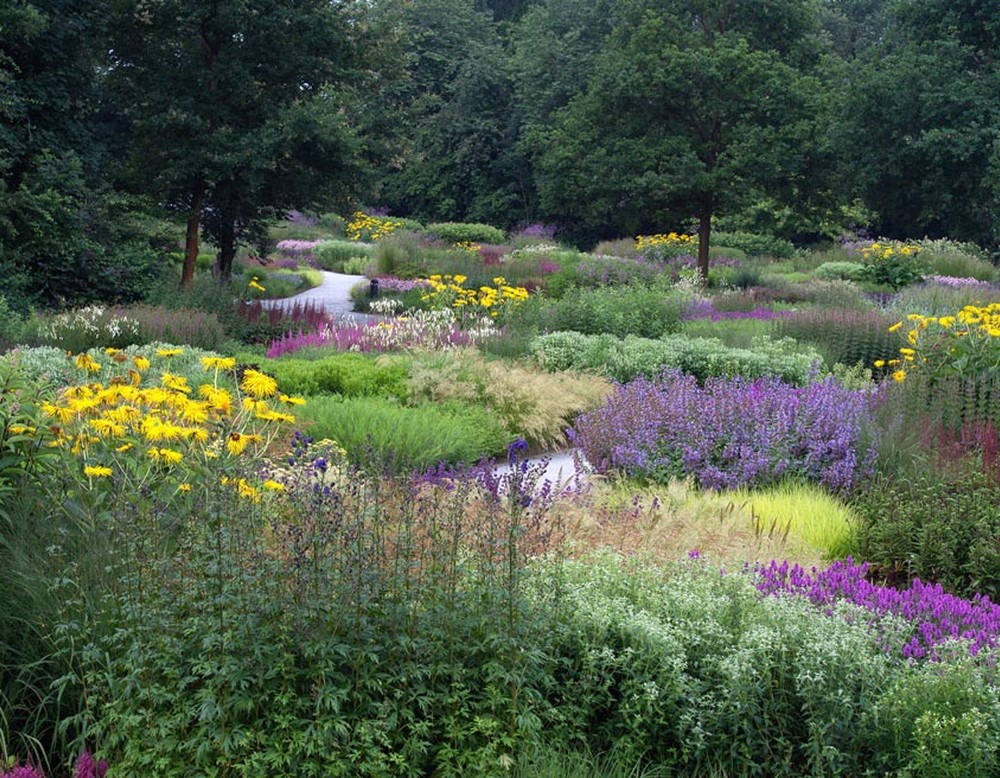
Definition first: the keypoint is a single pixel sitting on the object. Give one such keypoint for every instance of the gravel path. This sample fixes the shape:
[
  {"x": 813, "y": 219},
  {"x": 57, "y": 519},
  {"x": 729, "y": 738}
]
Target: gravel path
[{"x": 333, "y": 296}]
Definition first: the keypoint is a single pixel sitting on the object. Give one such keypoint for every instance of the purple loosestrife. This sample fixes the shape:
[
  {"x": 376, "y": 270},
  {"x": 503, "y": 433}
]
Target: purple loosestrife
[
  {"x": 731, "y": 433},
  {"x": 934, "y": 615}
]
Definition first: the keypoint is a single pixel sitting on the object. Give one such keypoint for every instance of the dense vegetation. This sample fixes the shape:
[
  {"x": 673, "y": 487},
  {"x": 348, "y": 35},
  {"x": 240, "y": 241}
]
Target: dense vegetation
[{"x": 742, "y": 263}]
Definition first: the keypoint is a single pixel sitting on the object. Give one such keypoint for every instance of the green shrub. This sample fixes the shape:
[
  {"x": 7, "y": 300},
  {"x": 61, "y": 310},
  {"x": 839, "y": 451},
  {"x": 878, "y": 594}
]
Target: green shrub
[
  {"x": 334, "y": 255},
  {"x": 459, "y": 232},
  {"x": 374, "y": 430},
  {"x": 735, "y": 333},
  {"x": 398, "y": 255},
  {"x": 754, "y": 244},
  {"x": 350, "y": 375},
  {"x": 632, "y": 310},
  {"x": 939, "y": 527},
  {"x": 843, "y": 271},
  {"x": 624, "y": 359}
]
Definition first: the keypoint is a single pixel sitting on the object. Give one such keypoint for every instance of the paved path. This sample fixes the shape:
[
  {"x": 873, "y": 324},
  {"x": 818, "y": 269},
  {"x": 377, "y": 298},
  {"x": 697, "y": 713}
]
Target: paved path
[
  {"x": 333, "y": 296},
  {"x": 560, "y": 468}
]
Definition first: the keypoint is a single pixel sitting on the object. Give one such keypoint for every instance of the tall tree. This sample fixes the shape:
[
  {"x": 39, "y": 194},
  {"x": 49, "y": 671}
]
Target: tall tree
[
  {"x": 694, "y": 108},
  {"x": 458, "y": 159},
  {"x": 241, "y": 109},
  {"x": 921, "y": 122}
]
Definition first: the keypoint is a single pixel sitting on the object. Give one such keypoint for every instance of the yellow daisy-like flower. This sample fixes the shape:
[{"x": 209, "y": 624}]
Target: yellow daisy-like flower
[
  {"x": 97, "y": 471},
  {"x": 273, "y": 486},
  {"x": 238, "y": 442},
  {"x": 292, "y": 400},
  {"x": 459, "y": 278},
  {"x": 108, "y": 428},
  {"x": 879, "y": 363},
  {"x": 123, "y": 448},
  {"x": 169, "y": 352},
  {"x": 899, "y": 376},
  {"x": 258, "y": 384},
  {"x": 276, "y": 416},
  {"x": 165, "y": 455},
  {"x": 907, "y": 352},
  {"x": 220, "y": 400},
  {"x": 896, "y": 327},
  {"x": 912, "y": 336},
  {"x": 143, "y": 364},
  {"x": 245, "y": 490},
  {"x": 87, "y": 362},
  {"x": 185, "y": 487},
  {"x": 218, "y": 363},
  {"x": 255, "y": 285},
  {"x": 176, "y": 382}
]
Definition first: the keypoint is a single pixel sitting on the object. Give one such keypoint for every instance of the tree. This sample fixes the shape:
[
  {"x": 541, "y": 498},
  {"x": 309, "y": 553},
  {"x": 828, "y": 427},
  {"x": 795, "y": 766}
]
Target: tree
[
  {"x": 694, "y": 108},
  {"x": 65, "y": 237},
  {"x": 457, "y": 160},
  {"x": 920, "y": 127},
  {"x": 241, "y": 110}
]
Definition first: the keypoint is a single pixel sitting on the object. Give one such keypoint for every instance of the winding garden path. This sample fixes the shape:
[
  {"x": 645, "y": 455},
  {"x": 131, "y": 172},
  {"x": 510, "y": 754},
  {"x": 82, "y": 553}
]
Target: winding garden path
[{"x": 334, "y": 296}]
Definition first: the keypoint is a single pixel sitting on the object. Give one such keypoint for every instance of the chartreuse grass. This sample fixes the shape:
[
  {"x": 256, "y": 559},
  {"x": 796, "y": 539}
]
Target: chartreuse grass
[{"x": 804, "y": 511}]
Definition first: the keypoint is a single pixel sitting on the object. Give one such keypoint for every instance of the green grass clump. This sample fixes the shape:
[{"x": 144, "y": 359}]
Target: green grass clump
[
  {"x": 350, "y": 375},
  {"x": 334, "y": 255},
  {"x": 808, "y": 512},
  {"x": 374, "y": 430},
  {"x": 462, "y": 232}
]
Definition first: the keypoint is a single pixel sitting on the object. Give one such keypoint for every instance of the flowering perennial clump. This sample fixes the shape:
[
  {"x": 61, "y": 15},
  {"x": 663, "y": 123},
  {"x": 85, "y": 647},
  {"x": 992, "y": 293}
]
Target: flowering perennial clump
[
  {"x": 370, "y": 228},
  {"x": 731, "y": 433},
  {"x": 418, "y": 330},
  {"x": 137, "y": 429},
  {"x": 933, "y": 616},
  {"x": 892, "y": 263},
  {"x": 670, "y": 245},
  {"x": 448, "y": 291},
  {"x": 966, "y": 344}
]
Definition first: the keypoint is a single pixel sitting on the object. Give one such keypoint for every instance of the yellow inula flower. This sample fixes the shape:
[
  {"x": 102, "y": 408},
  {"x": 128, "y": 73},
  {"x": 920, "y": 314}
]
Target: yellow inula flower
[
  {"x": 184, "y": 487},
  {"x": 899, "y": 376},
  {"x": 258, "y": 384},
  {"x": 97, "y": 471},
  {"x": 176, "y": 382},
  {"x": 87, "y": 362},
  {"x": 218, "y": 363},
  {"x": 143, "y": 364},
  {"x": 291, "y": 400},
  {"x": 164, "y": 352},
  {"x": 165, "y": 455},
  {"x": 255, "y": 285},
  {"x": 273, "y": 486}
]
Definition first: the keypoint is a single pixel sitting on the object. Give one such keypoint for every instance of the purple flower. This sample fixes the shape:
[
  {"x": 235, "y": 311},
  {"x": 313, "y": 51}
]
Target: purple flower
[
  {"x": 934, "y": 615},
  {"x": 731, "y": 433}
]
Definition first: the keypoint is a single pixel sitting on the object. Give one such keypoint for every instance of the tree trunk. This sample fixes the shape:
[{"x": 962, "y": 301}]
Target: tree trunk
[
  {"x": 191, "y": 240},
  {"x": 704, "y": 235},
  {"x": 227, "y": 250}
]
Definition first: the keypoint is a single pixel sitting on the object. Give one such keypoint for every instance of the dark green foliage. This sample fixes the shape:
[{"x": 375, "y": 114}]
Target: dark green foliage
[
  {"x": 457, "y": 232},
  {"x": 941, "y": 527},
  {"x": 754, "y": 244},
  {"x": 845, "y": 336},
  {"x": 350, "y": 375}
]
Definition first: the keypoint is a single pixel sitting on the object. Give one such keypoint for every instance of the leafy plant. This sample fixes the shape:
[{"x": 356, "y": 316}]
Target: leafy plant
[{"x": 459, "y": 232}]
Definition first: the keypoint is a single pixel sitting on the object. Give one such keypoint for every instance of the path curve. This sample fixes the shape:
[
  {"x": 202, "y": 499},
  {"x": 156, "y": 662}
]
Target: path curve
[{"x": 333, "y": 296}]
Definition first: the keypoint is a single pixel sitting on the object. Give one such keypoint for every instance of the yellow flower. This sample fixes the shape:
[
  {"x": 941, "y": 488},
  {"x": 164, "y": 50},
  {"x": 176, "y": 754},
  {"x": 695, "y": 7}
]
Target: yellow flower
[
  {"x": 142, "y": 363},
  {"x": 912, "y": 336},
  {"x": 165, "y": 455},
  {"x": 895, "y": 327},
  {"x": 86, "y": 362},
  {"x": 219, "y": 399},
  {"x": 879, "y": 363},
  {"x": 292, "y": 400},
  {"x": 123, "y": 448},
  {"x": 238, "y": 442},
  {"x": 459, "y": 279},
  {"x": 164, "y": 352},
  {"x": 96, "y": 471},
  {"x": 255, "y": 286},
  {"x": 185, "y": 487},
  {"x": 907, "y": 352},
  {"x": 273, "y": 486},
  {"x": 946, "y": 321},
  {"x": 899, "y": 376},
  {"x": 218, "y": 363},
  {"x": 258, "y": 384},
  {"x": 244, "y": 489},
  {"x": 176, "y": 382}
]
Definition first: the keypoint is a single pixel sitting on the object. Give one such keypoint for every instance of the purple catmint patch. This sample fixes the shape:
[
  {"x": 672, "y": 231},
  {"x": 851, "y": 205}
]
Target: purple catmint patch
[
  {"x": 953, "y": 282},
  {"x": 732, "y": 433},
  {"x": 934, "y": 615}
]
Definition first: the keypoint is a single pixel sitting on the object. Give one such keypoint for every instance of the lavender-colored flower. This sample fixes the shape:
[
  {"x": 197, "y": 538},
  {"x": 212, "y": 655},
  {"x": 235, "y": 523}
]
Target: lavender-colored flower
[
  {"x": 87, "y": 767},
  {"x": 934, "y": 615},
  {"x": 731, "y": 432},
  {"x": 702, "y": 308},
  {"x": 24, "y": 771}
]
